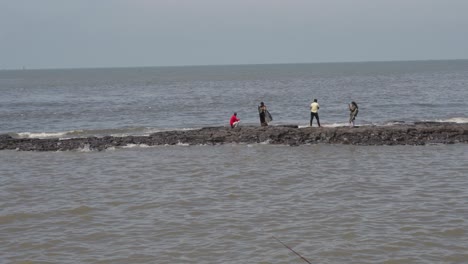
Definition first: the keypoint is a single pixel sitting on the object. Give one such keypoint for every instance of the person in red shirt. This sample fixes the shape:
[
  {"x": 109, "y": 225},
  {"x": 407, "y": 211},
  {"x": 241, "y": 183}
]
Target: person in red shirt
[{"x": 234, "y": 121}]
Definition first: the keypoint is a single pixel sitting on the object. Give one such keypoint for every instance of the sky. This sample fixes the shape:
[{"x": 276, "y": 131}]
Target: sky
[{"x": 133, "y": 33}]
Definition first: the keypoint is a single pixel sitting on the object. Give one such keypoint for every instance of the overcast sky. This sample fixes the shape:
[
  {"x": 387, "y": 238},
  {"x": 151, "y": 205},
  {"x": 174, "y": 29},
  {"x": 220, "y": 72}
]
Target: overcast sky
[{"x": 121, "y": 33}]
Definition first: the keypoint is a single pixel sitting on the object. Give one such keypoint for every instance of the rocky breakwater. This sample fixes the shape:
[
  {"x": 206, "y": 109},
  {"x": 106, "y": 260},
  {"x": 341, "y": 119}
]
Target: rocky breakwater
[{"x": 414, "y": 134}]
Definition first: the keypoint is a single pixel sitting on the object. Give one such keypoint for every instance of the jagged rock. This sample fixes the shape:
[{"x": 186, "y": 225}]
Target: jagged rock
[{"x": 401, "y": 134}]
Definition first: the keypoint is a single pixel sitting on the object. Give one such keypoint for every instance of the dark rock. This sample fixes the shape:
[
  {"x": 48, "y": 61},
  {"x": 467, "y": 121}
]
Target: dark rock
[
  {"x": 420, "y": 133},
  {"x": 5, "y": 137}
]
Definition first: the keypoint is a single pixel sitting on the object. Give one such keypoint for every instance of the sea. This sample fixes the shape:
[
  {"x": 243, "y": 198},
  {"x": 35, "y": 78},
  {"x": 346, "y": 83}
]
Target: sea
[{"x": 233, "y": 203}]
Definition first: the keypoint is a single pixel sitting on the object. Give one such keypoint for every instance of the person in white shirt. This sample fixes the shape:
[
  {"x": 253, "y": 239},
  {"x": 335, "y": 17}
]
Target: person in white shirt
[{"x": 314, "y": 107}]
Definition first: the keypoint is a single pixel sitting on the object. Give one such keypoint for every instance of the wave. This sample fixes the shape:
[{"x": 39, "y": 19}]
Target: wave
[
  {"x": 458, "y": 120},
  {"x": 338, "y": 125},
  {"x": 115, "y": 132},
  {"x": 146, "y": 131},
  {"x": 39, "y": 134},
  {"x": 129, "y": 146}
]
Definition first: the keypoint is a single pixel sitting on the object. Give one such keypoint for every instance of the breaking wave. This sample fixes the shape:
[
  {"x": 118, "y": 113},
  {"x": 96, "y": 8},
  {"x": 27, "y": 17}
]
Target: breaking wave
[
  {"x": 116, "y": 132},
  {"x": 146, "y": 131},
  {"x": 458, "y": 120}
]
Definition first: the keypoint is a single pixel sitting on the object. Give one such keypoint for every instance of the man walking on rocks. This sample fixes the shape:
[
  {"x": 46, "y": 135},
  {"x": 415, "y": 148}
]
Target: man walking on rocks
[{"x": 314, "y": 107}]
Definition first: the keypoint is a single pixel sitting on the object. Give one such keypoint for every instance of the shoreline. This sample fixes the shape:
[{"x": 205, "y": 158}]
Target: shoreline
[{"x": 419, "y": 133}]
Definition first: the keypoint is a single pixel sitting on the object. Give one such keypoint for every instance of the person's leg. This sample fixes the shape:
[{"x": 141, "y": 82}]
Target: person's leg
[
  {"x": 311, "y": 118},
  {"x": 318, "y": 120}
]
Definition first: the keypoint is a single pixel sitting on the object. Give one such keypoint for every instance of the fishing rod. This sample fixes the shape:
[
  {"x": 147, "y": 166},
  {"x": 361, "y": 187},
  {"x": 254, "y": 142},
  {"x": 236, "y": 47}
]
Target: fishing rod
[{"x": 292, "y": 250}]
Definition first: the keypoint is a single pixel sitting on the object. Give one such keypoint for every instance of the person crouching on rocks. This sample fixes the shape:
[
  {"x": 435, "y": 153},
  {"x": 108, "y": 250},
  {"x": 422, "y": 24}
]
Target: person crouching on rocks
[
  {"x": 353, "y": 111},
  {"x": 262, "y": 111},
  {"x": 234, "y": 122}
]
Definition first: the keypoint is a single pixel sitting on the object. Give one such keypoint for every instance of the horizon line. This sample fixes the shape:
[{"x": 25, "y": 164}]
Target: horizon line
[{"x": 224, "y": 65}]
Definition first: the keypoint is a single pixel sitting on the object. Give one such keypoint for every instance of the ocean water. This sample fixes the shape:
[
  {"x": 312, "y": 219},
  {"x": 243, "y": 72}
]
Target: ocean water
[
  {"x": 229, "y": 203},
  {"x": 83, "y": 102},
  {"x": 225, "y": 204}
]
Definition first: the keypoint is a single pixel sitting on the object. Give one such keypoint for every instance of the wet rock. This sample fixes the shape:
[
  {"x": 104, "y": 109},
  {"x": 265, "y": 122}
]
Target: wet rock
[{"x": 401, "y": 134}]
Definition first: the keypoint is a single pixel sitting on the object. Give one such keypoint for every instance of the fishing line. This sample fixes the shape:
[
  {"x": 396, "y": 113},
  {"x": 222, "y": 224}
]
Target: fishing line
[{"x": 306, "y": 260}]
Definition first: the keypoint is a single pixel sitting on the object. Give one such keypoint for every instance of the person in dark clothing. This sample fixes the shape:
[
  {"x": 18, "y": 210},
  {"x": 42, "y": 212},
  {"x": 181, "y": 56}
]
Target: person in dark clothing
[
  {"x": 262, "y": 111},
  {"x": 353, "y": 111}
]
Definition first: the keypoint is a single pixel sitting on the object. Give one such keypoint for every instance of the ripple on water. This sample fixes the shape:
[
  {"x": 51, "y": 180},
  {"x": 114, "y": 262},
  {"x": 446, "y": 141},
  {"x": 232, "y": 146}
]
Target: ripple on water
[
  {"x": 80, "y": 210},
  {"x": 223, "y": 204}
]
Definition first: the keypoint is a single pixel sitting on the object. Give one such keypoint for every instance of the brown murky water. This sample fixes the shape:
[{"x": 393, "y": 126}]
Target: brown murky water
[{"x": 224, "y": 204}]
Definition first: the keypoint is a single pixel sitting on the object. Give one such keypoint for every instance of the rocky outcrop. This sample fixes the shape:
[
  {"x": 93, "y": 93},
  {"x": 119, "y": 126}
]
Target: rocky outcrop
[{"x": 415, "y": 134}]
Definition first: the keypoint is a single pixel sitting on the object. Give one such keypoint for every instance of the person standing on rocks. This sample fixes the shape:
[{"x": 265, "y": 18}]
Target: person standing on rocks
[
  {"x": 263, "y": 112},
  {"x": 353, "y": 111},
  {"x": 314, "y": 107},
  {"x": 234, "y": 122}
]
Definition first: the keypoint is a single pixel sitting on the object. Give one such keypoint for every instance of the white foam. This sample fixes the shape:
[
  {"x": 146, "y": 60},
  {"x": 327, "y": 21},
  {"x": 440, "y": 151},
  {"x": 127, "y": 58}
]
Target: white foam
[
  {"x": 266, "y": 142},
  {"x": 119, "y": 135},
  {"x": 187, "y": 129},
  {"x": 182, "y": 144},
  {"x": 85, "y": 148},
  {"x": 41, "y": 134},
  {"x": 392, "y": 123},
  {"x": 336, "y": 125},
  {"x": 129, "y": 146},
  {"x": 147, "y": 131},
  {"x": 117, "y": 132},
  {"x": 326, "y": 125},
  {"x": 459, "y": 120}
]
